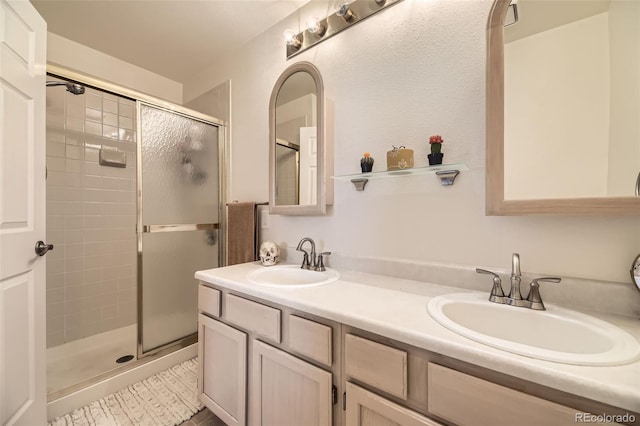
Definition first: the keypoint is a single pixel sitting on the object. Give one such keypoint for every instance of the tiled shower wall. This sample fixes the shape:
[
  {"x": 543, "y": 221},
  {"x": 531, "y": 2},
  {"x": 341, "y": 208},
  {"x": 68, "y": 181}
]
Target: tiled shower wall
[{"x": 91, "y": 215}]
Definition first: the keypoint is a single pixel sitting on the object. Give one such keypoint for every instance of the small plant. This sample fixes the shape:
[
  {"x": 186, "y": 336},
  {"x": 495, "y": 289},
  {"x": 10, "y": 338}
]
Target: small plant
[
  {"x": 366, "y": 162},
  {"x": 436, "y": 144}
]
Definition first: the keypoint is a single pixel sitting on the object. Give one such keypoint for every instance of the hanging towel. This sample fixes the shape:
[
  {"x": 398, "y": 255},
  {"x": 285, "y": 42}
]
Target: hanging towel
[{"x": 241, "y": 232}]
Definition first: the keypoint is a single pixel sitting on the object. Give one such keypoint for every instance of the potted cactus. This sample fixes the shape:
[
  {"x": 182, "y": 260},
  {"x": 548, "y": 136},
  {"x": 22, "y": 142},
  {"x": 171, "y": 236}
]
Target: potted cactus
[
  {"x": 366, "y": 162},
  {"x": 436, "y": 155}
]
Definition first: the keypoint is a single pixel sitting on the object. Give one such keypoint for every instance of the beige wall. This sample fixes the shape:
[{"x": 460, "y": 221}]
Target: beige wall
[
  {"x": 77, "y": 57},
  {"x": 545, "y": 156},
  {"x": 415, "y": 70}
]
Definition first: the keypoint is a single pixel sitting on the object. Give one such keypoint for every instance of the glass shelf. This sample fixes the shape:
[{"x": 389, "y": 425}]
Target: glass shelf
[{"x": 360, "y": 179}]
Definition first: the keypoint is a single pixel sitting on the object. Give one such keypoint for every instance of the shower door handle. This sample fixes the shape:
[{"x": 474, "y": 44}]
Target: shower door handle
[{"x": 42, "y": 248}]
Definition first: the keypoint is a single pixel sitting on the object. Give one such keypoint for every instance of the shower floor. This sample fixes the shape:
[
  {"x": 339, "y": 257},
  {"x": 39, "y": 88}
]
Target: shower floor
[{"x": 83, "y": 359}]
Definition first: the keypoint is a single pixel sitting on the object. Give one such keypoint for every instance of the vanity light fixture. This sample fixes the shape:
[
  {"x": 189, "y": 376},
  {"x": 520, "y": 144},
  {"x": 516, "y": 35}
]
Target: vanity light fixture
[{"x": 347, "y": 13}]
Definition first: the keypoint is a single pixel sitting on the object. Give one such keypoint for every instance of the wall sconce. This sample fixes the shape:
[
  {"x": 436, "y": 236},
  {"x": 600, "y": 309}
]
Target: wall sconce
[{"x": 347, "y": 13}]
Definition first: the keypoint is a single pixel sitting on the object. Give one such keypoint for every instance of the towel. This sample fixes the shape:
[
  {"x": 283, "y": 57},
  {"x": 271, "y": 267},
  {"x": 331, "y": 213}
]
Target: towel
[{"x": 241, "y": 226}]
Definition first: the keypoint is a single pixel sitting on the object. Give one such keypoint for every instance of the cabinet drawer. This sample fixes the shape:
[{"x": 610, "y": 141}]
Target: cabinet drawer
[
  {"x": 253, "y": 316},
  {"x": 377, "y": 365},
  {"x": 467, "y": 400},
  {"x": 209, "y": 300},
  {"x": 310, "y": 338}
]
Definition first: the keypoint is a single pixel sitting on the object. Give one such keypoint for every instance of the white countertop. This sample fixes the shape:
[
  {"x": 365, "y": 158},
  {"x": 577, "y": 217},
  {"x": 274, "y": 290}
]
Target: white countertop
[{"x": 396, "y": 308}]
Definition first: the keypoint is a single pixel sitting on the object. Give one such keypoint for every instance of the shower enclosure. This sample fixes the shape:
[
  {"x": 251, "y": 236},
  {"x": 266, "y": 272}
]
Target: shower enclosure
[{"x": 133, "y": 210}]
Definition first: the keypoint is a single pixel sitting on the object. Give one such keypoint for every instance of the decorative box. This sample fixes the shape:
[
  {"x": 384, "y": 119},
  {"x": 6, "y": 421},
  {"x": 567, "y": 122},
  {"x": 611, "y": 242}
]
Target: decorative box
[{"x": 399, "y": 158}]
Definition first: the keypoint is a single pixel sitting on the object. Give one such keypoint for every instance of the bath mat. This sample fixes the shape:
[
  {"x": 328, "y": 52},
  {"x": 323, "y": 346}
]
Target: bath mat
[{"x": 164, "y": 399}]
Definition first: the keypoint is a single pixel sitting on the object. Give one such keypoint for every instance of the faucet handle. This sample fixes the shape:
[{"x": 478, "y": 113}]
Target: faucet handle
[
  {"x": 534, "y": 292},
  {"x": 497, "y": 294},
  {"x": 305, "y": 260},
  {"x": 320, "y": 266}
]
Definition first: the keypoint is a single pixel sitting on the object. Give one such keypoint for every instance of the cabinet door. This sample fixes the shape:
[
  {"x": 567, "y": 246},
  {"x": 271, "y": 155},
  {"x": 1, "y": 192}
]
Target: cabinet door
[
  {"x": 365, "y": 408},
  {"x": 222, "y": 353},
  {"x": 286, "y": 391}
]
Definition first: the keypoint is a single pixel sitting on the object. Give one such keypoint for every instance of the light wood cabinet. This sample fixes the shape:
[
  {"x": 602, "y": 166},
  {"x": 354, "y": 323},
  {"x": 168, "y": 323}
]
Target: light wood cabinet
[
  {"x": 265, "y": 364},
  {"x": 222, "y": 352},
  {"x": 365, "y": 408},
  {"x": 286, "y": 391}
]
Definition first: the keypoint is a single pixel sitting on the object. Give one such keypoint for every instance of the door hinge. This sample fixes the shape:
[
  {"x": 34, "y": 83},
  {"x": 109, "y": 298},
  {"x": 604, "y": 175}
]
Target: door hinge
[
  {"x": 344, "y": 401},
  {"x": 334, "y": 394}
]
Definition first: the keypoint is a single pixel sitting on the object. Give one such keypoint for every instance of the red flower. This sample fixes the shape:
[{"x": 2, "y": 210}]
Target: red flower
[{"x": 435, "y": 139}]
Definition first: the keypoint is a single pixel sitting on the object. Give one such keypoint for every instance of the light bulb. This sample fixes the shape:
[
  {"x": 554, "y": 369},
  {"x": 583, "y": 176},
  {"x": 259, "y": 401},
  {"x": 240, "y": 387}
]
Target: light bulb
[
  {"x": 343, "y": 10},
  {"x": 291, "y": 38},
  {"x": 316, "y": 27}
]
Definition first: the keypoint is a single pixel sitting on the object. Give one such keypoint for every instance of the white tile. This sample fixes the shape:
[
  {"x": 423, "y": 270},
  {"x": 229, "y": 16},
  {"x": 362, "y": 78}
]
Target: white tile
[
  {"x": 108, "y": 260},
  {"x": 92, "y": 169},
  {"x": 55, "y": 136},
  {"x": 73, "y": 236},
  {"x": 71, "y": 99},
  {"x": 93, "y": 128},
  {"x": 93, "y": 101},
  {"x": 127, "y": 295},
  {"x": 55, "y": 310},
  {"x": 56, "y": 164},
  {"x": 92, "y": 275},
  {"x": 55, "y": 339},
  {"x": 56, "y": 324},
  {"x": 110, "y": 273},
  {"x": 109, "y": 299},
  {"x": 94, "y": 221},
  {"x": 109, "y": 286},
  {"x": 93, "y": 248},
  {"x": 55, "y": 120},
  {"x": 109, "y": 105},
  {"x": 71, "y": 334},
  {"x": 74, "y": 264},
  {"x": 125, "y": 271},
  {"x": 93, "y": 114},
  {"x": 55, "y": 266},
  {"x": 55, "y": 149},
  {"x": 75, "y": 110},
  {"x": 74, "y": 152},
  {"x": 73, "y": 140},
  {"x": 74, "y": 222},
  {"x": 55, "y": 295},
  {"x": 109, "y": 312},
  {"x": 109, "y": 131},
  {"x": 91, "y": 154},
  {"x": 126, "y": 109},
  {"x": 74, "y": 124},
  {"x": 55, "y": 280},
  {"x": 126, "y": 123},
  {"x": 73, "y": 166},
  {"x": 110, "y": 119},
  {"x": 73, "y": 279},
  {"x": 110, "y": 97},
  {"x": 92, "y": 290},
  {"x": 71, "y": 294},
  {"x": 55, "y": 237},
  {"x": 74, "y": 250},
  {"x": 55, "y": 100},
  {"x": 127, "y": 135},
  {"x": 56, "y": 178},
  {"x": 97, "y": 234},
  {"x": 55, "y": 222}
]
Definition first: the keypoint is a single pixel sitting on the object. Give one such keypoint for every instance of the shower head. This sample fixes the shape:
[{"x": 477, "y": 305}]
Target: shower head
[{"x": 76, "y": 89}]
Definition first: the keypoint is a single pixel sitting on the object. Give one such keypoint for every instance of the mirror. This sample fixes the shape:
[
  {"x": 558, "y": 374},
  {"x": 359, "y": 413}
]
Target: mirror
[
  {"x": 297, "y": 146},
  {"x": 563, "y": 101}
]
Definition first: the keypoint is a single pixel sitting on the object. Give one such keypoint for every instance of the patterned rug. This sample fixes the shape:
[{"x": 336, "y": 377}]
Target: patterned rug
[{"x": 164, "y": 399}]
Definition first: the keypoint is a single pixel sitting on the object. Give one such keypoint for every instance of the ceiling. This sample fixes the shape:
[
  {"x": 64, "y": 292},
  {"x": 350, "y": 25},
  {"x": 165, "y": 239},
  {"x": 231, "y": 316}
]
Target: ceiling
[{"x": 173, "y": 38}]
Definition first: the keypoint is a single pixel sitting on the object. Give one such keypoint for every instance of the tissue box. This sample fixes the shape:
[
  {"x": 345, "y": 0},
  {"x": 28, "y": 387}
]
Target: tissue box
[{"x": 399, "y": 158}]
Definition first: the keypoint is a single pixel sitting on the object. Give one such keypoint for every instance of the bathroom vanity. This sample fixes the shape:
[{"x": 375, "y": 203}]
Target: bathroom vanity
[{"x": 363, "y": 350}]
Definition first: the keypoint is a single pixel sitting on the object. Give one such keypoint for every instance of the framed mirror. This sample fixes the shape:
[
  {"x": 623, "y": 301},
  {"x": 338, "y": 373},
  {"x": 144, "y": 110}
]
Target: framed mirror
[
  {"x": 297, "y": 144},
  {"x": 563, "y": 101}
]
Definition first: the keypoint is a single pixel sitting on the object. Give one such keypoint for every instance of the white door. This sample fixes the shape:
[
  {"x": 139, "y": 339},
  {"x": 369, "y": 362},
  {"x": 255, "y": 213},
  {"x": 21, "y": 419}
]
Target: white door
[
  {"x": 22, "y": 214},
  {"x": 308, "y": 166}
]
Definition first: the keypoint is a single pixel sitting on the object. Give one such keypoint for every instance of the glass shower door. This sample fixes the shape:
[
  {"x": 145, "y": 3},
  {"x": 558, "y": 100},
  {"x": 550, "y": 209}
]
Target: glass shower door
[{"x": 178, "y": 222}]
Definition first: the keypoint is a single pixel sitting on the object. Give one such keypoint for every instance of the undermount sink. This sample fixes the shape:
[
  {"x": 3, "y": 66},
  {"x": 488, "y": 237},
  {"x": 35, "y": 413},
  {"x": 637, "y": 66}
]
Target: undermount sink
[
  {"x": 291, "y": 276},
  {"x": 557, "y": 334}
]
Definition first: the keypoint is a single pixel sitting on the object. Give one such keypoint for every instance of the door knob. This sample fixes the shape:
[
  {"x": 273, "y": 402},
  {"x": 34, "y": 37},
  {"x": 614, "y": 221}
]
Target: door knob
[{"x": 42, "y": 248}]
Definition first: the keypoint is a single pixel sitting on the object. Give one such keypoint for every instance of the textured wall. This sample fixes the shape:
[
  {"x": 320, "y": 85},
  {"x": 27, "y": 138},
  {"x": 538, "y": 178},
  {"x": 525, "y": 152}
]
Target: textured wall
[{"x": 414, "y": 70}]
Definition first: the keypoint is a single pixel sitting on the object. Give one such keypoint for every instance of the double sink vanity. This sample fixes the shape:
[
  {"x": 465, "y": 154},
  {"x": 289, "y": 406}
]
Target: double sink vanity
[{"x": 283, "y": 345}]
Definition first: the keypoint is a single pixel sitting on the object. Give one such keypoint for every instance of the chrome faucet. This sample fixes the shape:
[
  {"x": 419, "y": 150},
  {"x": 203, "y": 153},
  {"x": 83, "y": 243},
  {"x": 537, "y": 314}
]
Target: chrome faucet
[
  {"x": 515, "y": 297},
  {"x": 533, "y": 300},
  {"x": 308, "y": 262}
]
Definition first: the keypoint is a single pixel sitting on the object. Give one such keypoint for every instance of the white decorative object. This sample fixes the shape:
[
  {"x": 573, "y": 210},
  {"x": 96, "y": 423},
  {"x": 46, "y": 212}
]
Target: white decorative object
[{"x": 269, "y": 253}]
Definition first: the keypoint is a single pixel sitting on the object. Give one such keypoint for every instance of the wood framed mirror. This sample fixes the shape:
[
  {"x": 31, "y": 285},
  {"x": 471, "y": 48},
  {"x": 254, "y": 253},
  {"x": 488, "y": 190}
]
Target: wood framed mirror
[
  {"x": 297, "y": 144},
  {"x": 557, "y": 115}
]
